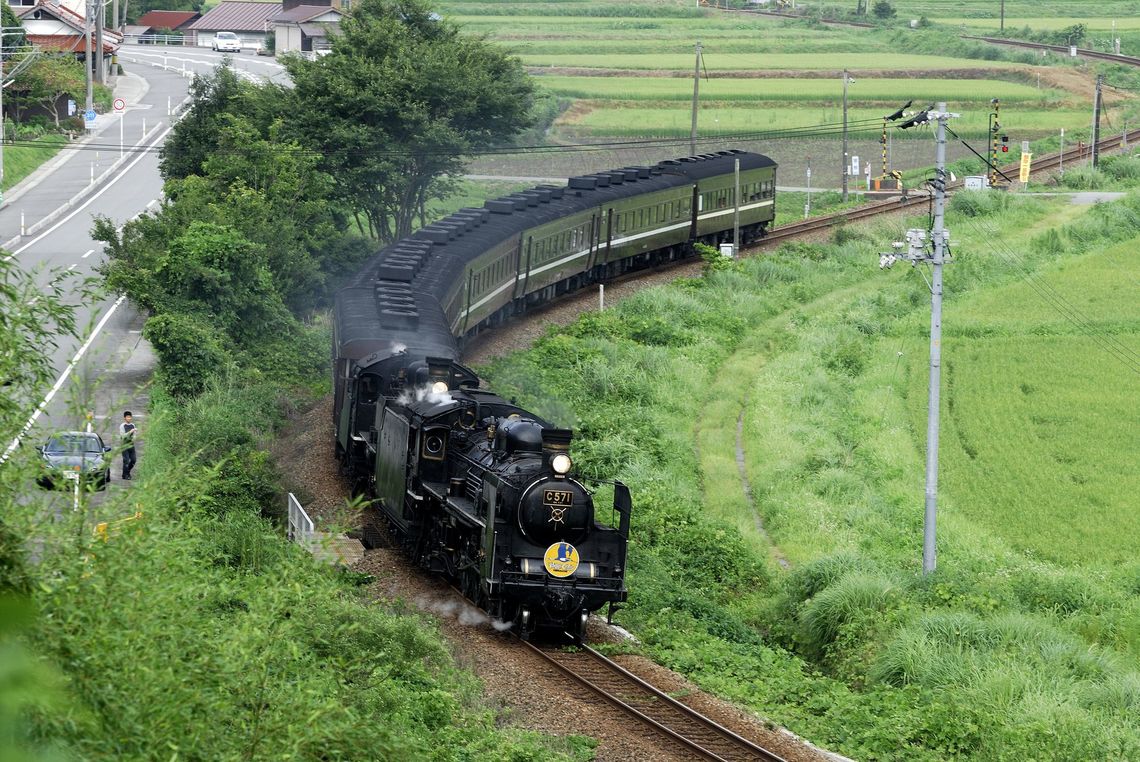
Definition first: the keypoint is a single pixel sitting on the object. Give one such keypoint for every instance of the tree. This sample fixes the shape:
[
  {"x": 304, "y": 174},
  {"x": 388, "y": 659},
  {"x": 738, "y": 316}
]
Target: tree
[
  {"x": 398, "y": 103},
  {"x": 883, "y": 9},
  {"x": 47, "y": 79},
  {"x": 195, "y": 136}
]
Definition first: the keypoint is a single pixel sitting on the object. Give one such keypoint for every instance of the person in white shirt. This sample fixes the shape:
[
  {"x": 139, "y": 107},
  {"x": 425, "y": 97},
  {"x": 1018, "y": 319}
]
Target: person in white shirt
[{"x": 127, "y": 431}]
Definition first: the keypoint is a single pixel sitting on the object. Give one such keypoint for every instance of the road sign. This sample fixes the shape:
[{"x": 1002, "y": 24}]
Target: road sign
[
  {"x": 855, "y": 165},
  {"x": 1026, "y": 163},
  {"x": 89, "y": 118},
  {"x": 120, "y": 105}
]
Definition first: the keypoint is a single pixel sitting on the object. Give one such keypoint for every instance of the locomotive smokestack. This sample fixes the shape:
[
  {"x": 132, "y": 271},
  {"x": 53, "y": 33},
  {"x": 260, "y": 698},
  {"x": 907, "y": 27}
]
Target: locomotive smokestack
[
  {"x": 555, "y": 441},
  {"x": 555, "y": 448}
]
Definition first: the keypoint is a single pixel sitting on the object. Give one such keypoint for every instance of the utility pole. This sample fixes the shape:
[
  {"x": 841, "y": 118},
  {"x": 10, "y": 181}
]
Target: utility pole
[
  {"x": 845, "y": 158},
  {"x": 101, "y": 76},
  {"x": 917, "y": 251},
  {"x": 1096, "y": 122},
  {"x": 696, "y": 97},
  {"x": 1003, "y": 15},
  {"x": 87, "y": 57}
]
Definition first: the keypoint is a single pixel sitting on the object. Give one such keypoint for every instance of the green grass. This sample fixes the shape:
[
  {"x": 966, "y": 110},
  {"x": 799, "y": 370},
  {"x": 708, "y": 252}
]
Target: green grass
[
  {"x": 887, "y": 90},
  {"x": 1037, "y": 450},
  {"x": 1099, "y": 22},
  {"x": 23, "y": 159},
  {"x": 752, "y": 62},
  {"x": 714, "y": 120}
]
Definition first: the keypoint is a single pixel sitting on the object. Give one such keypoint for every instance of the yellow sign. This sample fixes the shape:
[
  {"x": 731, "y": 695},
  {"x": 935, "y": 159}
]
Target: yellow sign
[
  {"x": 561, "y": 559},
  {"x": 1026, "y": 160}
]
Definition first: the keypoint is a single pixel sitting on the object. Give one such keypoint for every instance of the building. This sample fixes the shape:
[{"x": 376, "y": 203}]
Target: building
[
  {"x": 250, "y": 21},
  {"x": 61, "y": 26},
  {"x": 305, "y": 29}
]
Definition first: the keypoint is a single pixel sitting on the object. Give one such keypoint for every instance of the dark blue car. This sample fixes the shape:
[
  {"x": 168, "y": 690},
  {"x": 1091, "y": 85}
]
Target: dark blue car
[{"x": 71, "y": 456}]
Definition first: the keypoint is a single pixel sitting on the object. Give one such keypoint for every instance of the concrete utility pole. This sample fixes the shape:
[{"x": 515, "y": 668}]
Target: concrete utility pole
[
  {"x": 101, "y": 76},
  {"x": 87, "y": 57},
  {"x": 696, "y": 97},
  {"x": 845, "y": 157},
  {"x": 918, "y": 252},
  {"x": 1096, "y": 122}
]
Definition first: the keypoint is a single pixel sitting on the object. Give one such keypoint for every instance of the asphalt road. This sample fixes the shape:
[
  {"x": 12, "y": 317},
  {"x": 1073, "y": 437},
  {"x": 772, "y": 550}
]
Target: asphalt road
[{"x": 106, "y": 370}]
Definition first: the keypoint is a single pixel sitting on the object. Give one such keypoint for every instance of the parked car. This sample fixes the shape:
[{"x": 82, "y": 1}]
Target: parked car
[
  {"x": 227, "y": 42},
  {"x": 71, "y": 456}
]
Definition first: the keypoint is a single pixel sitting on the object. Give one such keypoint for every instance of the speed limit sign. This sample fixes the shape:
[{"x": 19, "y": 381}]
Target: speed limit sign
[{"x": 120, "y": 105}]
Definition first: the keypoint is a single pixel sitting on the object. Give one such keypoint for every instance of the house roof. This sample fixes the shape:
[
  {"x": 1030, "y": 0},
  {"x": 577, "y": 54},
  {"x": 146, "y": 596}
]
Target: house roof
[
  {"x": 167, "y": 19},
  {"x": 237, "y": 16},
  {"x": 321, "y": 31},
  {"x": 304, "y": 13},
  {"x": 68, "y": 43}
]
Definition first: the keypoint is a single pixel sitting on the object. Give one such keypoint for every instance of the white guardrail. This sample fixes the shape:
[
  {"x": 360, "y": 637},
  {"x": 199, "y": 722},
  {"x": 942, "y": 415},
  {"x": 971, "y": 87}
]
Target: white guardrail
[{"x": 301, "y": 528}]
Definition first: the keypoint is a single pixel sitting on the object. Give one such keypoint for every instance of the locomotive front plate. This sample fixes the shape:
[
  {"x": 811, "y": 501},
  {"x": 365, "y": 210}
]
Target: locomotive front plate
[{"x": 557, "y": 498}]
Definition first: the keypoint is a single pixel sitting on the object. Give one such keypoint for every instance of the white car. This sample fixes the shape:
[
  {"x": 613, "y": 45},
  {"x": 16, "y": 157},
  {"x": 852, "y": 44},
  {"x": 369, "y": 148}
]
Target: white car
[{"x": 227, "y": 41}]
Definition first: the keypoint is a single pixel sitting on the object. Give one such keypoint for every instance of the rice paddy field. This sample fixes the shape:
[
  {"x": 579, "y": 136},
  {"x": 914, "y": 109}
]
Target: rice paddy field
[
  {"x": 623, "y": 72},
  {"x": 806, "y": 370}
]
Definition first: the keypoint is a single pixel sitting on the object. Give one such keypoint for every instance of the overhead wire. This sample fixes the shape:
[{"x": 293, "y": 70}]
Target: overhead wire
[{"x": 806, "y": 131}]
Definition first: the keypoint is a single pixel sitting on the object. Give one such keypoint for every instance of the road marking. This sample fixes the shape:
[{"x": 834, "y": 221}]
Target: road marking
[
  {"x": 61, "y": 380},
  {"x": 89, "y": 253},
  {"x": 89, "y": 201},
  {"x": 151, "y": 203},
  {"x": 71, "y": 267}
]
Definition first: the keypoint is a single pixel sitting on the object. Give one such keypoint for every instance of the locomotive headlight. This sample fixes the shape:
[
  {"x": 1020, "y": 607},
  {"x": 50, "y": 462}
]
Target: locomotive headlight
[
  {"x": 561, "y": 464},
  {"x": 439, "y": 387}
]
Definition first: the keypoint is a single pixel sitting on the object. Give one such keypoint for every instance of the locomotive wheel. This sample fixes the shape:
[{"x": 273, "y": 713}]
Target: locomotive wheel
[
  {"x": 578, "y": 628},
  {"x": 526, "y": 626}
]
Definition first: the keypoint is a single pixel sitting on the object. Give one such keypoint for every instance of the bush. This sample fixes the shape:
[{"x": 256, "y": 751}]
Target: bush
[{"x": 189, "y": 352}]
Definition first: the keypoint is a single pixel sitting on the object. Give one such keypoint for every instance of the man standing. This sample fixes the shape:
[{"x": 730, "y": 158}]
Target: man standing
[{"x": 127, "y": 435}]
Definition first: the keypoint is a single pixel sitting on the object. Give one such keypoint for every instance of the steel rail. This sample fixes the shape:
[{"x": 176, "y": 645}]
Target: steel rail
[
  {"x": 666, "y": 716},
  {"x": 1114, "y": 57}
]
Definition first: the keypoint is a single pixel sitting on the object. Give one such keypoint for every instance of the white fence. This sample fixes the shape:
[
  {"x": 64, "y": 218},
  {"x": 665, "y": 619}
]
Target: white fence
[{"x": 301, "y": 529}]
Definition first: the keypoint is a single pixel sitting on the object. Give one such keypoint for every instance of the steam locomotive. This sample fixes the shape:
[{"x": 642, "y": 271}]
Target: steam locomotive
[{"x": 470, "y": 484}]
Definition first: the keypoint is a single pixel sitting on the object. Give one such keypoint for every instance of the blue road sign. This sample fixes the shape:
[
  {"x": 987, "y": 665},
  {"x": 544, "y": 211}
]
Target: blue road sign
[{"x": 89, "y": 115}]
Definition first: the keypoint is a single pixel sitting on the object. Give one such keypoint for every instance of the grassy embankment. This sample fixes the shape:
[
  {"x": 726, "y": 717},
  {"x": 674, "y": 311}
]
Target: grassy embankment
[
  {"x": 23, "y": 159},
  {"x": 1024, "y": 643}
]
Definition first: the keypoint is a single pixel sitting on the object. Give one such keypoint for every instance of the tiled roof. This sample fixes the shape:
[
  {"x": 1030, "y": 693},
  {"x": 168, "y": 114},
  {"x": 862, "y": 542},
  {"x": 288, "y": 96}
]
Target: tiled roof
[
  {"x": 304, "y": 13},
  {"x": 166, "y": 19},
  {"x": 236, "y": 16}
]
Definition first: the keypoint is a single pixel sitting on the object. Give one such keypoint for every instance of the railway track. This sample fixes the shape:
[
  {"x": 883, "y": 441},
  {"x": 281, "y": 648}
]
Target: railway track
[
  {"x": 1083, "y": 52},
  {"x": 693, "y": 735}
]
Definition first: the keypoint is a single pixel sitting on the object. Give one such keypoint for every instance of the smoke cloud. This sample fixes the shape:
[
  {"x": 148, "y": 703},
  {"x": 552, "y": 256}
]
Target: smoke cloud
[{"x": 462, "y": 611}]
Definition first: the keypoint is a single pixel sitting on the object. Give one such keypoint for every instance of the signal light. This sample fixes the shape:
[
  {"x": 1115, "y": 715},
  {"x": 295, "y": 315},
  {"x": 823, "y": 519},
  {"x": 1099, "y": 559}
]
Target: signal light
[{"x": 1005, "y": 149}]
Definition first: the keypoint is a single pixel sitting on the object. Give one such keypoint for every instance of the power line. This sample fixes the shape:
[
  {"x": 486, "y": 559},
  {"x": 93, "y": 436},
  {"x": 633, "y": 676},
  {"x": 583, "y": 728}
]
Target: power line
[{"x": 807, "y": 131}]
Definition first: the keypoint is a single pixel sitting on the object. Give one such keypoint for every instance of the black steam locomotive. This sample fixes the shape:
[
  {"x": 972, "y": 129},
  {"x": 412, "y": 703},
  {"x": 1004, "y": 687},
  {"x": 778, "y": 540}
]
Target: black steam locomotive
[{"x": 470, "y": 484}]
